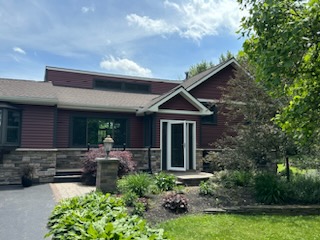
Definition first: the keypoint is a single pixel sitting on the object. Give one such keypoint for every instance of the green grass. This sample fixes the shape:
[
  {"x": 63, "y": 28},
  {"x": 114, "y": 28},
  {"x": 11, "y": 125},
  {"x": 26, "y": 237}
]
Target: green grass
[
  {"x": 295, "y": 170},
  {"x": 231, "y": 227}
]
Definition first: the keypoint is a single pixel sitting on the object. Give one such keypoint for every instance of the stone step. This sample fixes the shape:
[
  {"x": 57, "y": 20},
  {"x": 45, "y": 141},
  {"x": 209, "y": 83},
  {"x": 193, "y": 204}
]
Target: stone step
[
  {"x": 67, "y": 178},
  {"x": 67, "y": 172}
]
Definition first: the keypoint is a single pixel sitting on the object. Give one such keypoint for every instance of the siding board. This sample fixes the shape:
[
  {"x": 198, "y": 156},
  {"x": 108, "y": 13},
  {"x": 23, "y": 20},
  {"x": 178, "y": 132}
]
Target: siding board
[{"x": 37, "y": 126}]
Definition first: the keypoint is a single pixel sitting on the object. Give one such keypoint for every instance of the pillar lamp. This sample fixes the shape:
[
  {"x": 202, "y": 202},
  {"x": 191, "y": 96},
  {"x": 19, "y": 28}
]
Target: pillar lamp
[{"x": 107, "y": 145}]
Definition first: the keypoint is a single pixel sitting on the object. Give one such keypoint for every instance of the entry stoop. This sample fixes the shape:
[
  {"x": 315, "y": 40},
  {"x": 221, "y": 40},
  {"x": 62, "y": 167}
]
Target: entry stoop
[
  {"x": 192, "y": 178},
  {"x": 67, "y": 175}
]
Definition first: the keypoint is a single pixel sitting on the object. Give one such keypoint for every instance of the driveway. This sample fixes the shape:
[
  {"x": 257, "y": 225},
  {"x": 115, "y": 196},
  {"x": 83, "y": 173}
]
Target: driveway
[{"x": 24, "y": 211}]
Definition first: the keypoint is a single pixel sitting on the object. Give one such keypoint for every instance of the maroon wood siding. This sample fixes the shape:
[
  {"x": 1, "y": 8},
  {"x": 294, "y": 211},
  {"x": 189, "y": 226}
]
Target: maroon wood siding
[
  {"x": 37, "y": 126},
  {"x": 69, "y": 79},
  {"x": 178, "y": 103},
  {"x": 135, "y": 126},
  {"x": 63, "y": 125},
  {"x": 210, "y": 89},
  {"x": 82, "y": 80},
  {"x": 159, "y": 117}
]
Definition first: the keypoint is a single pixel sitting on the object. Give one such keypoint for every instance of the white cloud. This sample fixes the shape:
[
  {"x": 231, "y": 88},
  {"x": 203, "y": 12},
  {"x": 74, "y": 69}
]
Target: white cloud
[
  {"x": 193, "y": 19},
  {"x": 19, "y": 50},
  {"x": 124, "y": 66},
  {"x": 156, "y": 26},
  {"x": 87, "y": 9}
]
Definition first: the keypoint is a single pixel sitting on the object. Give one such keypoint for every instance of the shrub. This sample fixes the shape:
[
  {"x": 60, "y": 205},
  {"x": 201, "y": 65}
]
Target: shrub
[
  {"x": 138, "y": 183},
  {"x": 126, "y": 164},
  {"x": 130, "y": 198},
  {"x": 89, "y": 164},
  {"x": 97, "y": 216},
  {"x": 206, "y": 188},
  {"x": 235, "y": 178},
  {"x": 270, "y": 189},
  {"x": 140, "y": 206},
  {"x": 165, "y": 181},
  {"x": 175, "y": 202},
  {"x": 304, "y": 189}
]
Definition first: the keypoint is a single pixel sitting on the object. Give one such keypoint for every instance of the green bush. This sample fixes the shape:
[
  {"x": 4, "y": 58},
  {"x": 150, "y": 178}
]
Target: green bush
[
  {"x": 206, "y": 188},
  {"x": 97, "y": 216},
  {"x": 239, "y": 178},
  {"x": 304, "y": 189},
  {"x": 138, "y": 183},
  {"x": 175, "y": 202},
  {"x": 270, "y": 189},
  {"x": 165, "y": 181},
  {"x": 130, "y": 198}
]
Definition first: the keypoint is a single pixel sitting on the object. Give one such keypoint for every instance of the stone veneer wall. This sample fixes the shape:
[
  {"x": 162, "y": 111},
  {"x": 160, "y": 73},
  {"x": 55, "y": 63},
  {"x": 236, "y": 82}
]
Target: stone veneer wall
[
  {"x": 46, "y": 161},
  {"x": 43, "y": 161}
]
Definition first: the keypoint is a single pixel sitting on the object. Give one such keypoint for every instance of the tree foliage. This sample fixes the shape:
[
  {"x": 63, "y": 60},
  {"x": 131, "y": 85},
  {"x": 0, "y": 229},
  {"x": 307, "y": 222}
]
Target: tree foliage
[
  {"x": 283, "y": 43},
  {"x": 204, "y": 65},
  {"x": 255, "y": 140}
]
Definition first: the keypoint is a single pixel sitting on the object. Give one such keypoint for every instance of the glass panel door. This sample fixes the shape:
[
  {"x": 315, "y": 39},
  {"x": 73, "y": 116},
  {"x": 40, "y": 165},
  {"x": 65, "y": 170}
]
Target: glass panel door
[{"x": 177, "y": 145}]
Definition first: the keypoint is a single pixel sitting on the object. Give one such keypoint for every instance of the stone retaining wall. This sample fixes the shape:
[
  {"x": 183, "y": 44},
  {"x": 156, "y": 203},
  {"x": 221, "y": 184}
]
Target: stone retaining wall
[
  {"x": 46, "y": 161},
  {"x": 43, "y": 161}
]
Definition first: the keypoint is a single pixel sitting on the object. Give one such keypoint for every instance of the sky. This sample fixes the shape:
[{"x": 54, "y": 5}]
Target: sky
[{"x": 147, "y": 38}]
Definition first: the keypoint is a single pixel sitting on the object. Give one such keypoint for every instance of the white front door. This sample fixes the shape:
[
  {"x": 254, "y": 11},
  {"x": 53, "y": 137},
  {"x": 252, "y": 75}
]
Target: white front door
[{"x": 178, "y": 145}]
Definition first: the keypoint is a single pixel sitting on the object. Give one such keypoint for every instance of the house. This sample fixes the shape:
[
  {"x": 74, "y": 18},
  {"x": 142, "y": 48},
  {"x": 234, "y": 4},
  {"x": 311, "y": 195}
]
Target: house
[{"x": 51, "y": 124}]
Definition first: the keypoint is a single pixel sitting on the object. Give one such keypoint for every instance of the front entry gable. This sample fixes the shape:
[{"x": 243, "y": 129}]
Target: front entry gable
[{"x": 177, "y": 101}]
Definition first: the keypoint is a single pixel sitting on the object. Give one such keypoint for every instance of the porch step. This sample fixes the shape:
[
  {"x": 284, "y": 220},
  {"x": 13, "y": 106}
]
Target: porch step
[
  {"x": 192, "y": 178},
  {"x": 67, "y": 175}
]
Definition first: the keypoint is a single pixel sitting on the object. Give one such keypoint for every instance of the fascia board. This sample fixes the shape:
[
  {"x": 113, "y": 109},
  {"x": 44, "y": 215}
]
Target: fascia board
[
  {"x": 30, "y": 100},
  {"x": 231, "y": 61},
  {"x": 95, "y": 108}
]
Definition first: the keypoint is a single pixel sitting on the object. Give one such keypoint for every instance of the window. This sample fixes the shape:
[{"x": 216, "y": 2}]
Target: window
[
  {"x": 10, "y": 121},
  {"x": 94, "y": 130},
  {"x": 210, "y": 119},
  {"x": 121, "y": 86}
]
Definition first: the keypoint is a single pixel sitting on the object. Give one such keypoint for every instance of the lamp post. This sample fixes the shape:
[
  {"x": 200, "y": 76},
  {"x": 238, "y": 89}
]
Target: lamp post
[
  {"x": 107, "y": 145},
  {"x": 107, "y": 169}
]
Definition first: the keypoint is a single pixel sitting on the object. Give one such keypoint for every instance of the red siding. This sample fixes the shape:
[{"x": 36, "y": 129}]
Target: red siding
[
  {"x": 63, "y": 126},
  {"x": 82, "y": 80},
  {"x": 63, "y": 123},
  {"x": 210, "y": 89},
  {"x": 159, "y": 117},
  {"x": 37, "y": 129},
  {"x": 178, "y": 103}
]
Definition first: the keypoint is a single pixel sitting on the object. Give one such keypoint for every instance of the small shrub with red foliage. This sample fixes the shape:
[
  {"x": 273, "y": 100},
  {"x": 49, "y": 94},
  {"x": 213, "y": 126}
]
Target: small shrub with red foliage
[
  {"x": 175, "y": 202},
  {"x": 126, "y": 164},
  {"x": 89, "y": 163}
]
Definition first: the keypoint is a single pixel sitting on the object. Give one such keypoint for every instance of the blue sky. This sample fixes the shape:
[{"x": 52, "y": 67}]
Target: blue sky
[{"x": 150, "y": 38}]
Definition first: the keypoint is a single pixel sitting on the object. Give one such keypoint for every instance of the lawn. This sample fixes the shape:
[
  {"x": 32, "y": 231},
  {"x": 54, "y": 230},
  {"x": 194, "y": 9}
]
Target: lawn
[{"x": 243, "y": 227}]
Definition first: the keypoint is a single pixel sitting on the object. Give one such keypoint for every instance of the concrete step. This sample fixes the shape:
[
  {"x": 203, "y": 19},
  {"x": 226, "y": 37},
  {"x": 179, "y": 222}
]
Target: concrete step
[{"x": 193, "y": 179}]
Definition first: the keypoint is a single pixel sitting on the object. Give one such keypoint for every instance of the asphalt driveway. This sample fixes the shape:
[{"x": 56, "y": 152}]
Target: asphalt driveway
[{"x": 24, "y": 211}]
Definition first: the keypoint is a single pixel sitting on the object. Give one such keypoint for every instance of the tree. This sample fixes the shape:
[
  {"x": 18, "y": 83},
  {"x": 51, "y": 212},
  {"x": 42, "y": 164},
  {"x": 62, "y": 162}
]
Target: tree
[
  {"x": 283, "y": 43},
  {"x": 198, "y": 68},
  {"x": 204, "y": 65},
  {"x": 255, "y": 140}
]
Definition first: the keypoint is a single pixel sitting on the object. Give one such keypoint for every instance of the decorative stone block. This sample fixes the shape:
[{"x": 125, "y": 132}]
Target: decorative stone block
[{"x": 107, "y": 174}]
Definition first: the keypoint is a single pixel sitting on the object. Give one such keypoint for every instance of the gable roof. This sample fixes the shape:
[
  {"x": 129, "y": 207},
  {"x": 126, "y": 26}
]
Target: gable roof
[
  {"x": 154, "y": 104},
  {"x": 45, "y": 93},
  {"x": 196, "y": 80}
]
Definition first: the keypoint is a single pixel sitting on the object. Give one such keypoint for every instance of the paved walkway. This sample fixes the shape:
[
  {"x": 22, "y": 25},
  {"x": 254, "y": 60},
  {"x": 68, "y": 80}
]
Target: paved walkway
[
  {"x": 24, "y": 212},
  {"x": 68, "y": 190}
]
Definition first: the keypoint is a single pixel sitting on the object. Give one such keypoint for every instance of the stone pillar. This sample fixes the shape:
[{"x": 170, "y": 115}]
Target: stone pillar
[{"x": 107, "y": 174}]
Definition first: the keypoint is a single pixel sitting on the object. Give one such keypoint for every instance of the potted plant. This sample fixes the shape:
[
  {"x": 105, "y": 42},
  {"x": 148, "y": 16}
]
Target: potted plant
[{"x": 27, "y": 175}]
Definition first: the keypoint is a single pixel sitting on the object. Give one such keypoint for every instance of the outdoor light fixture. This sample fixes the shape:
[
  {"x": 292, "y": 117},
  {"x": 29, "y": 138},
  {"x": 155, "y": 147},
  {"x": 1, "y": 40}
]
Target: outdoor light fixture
[{"x": 107, "y": 145}]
